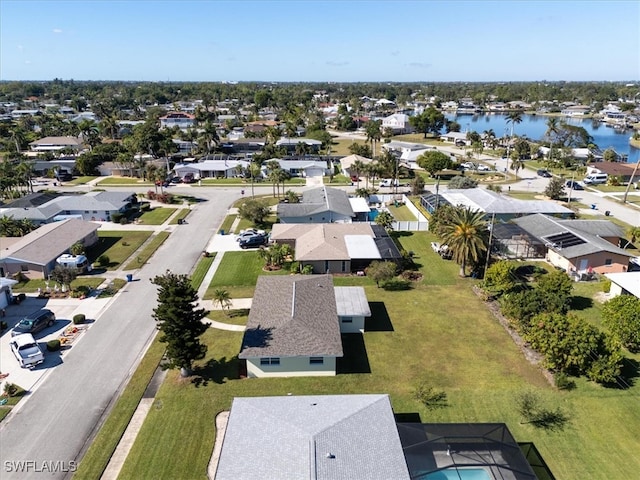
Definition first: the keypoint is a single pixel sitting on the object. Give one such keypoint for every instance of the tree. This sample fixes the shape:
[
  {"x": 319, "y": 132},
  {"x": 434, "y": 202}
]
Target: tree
[
  {"x": 361, "y": 149},
  {"x": 254, "y": 210},
  {"x": 275, "y": 255},
  {"x": 179, "y": 321},
  {"x": 460, "y": 181},
  {"x": 64, "y": 276},
  {"x": 372, "y": 130},
  {"x": 417, "y": 185},
  {"x": 431, "y": 120},
  {"x": 357, "y": 168},
  {"x": 555, "y": 189},
  {"x": 381, "y": 271},
  {"x": 555, "y": 289},
  {"x": 433, "y": 161},
  {"x": 222, "y": 298},
  {"x": 501, "y": 278},
  {"x": 385, "y": 219},
  {"x": 535, "y": 413},
  {"x": 621, "y": 315},
  {"x": 291, "y": 196},
  {"x": 553, "y": 128},
  {"x": 467, "y": 236},
  {"x": 610, "y": 155},
  {"x": 77, "y": 248},
  {"x": 516, "y": 162}
]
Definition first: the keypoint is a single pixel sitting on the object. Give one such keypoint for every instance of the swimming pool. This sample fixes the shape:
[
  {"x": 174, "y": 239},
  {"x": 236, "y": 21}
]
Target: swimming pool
[{"x": 460, "y": 474}]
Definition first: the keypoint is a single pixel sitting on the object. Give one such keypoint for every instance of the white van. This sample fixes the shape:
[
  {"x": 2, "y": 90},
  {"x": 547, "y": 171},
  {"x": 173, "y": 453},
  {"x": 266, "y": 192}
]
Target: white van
[
  {"x": 595, "y": 178},
  {"x": 388, "y": 182}
]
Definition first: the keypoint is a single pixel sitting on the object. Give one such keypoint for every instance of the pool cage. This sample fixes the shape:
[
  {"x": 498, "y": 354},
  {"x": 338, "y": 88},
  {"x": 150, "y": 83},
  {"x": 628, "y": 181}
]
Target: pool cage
[{"x": 463, "y": 451}]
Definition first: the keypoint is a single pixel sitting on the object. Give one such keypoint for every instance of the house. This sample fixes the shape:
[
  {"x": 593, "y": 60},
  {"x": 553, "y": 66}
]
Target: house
[
  {"x": 303, "y": 167},
  {"x": 406, "y": 151},
  {"x": 291, "y": 144},
  {"x": 579, "y": 247},
  {"x": 6, "y": 294},
  {"x": 92, "y": 206},
  {"x": 295, "y": 325},
  {"x": 337, "y": 247},
  {"x": 624, "y": 283},
  {"x": 35, "y": 254},
  {"x": 52, "y": 144},
  {"x": 346, "y": 164},
  {"x": 457, "y": 138},
  {"x": 318, "y": 205},
  {"x": 323, "y": 437},
  {"x": 398, "y": 123},
  {"x": 575, "y": 111},
  {"x": 501, "y": 208},
  {"x": 211, "y": 168},
  {"x": 624, "y": 171},
  {"x": 182, "y": 120}
]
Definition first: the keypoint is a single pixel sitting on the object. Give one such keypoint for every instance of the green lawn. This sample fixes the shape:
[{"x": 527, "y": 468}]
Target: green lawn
[
  {"x": 270, "y": 200},
  {"x": 268, "y": 223},
  {"x": 181, "y": 215},
  {"x": 11, "y": 402},
  {"x": 81, "y": 180},
  {"x": 156, "y": 216},
  {"x": 123, "y": 181},
  {"x": 402, "y": 213},
  {"x": 440, "y": 332},
  {"x": 227, "y": 222},
  {"x": 32, "y": 286},
  {"x": 117, "y": 245},
  {"x": 201, "y": 270},
  {"x": 147, "y": 252}
]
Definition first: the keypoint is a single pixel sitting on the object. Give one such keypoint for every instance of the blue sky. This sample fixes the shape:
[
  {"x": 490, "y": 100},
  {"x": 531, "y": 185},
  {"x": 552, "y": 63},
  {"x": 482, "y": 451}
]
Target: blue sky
[{"x": 305, "y": 40}]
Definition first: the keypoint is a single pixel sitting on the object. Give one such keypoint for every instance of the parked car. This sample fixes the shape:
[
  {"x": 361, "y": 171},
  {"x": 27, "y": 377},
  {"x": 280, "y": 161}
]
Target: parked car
[
  {"x": 595, "y": 179},
  {"x": 544, "y": 173},
  {"x": 483, "y": 168},
  {"x": 26, "y": 350},
  {"x": 468, "y": 166},
  {"x": 388, "y": 182},
  {"x": 249, "y": 232},
  {"x": 34, "y": 322},
  {"x": 253, "y": 241},
  {"x": 574, "y": 185}
]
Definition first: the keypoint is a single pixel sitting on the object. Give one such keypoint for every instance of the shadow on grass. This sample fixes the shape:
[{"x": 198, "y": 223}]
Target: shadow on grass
[
  {"x": 579, "y": 302},
  {"x": 379, "y": 320},
  {"x": 217, "y": 371},
  {"x": 397, "y": 285},
  {"x": 400, "y": 234},
  {"x": 240, "y": 312},
  {"x": 102, "y": 245},
  {"x": 410, "y": 417},
  {"x": 355, "y": 358},
  {"x": 629, "y": 372}
]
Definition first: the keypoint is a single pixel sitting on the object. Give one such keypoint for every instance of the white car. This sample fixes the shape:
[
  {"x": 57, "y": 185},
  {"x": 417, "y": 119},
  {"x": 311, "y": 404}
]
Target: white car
[
  {"x": 468, "y": 166},
  {"x": 26, "y": 350},
  {"x": 483, "y": 168}
]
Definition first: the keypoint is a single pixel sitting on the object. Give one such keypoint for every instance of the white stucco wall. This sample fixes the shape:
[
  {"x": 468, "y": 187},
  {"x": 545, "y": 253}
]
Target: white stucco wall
[
  {"x": 356, "y": 326},
  {"x": 291, "y": 367}
]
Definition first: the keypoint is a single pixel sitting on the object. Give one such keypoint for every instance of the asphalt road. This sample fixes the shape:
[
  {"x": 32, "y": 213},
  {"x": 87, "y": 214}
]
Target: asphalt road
[{"x": 50, "y": 429}]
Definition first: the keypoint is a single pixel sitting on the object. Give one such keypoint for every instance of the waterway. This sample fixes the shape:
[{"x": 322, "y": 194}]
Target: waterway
[{"x": 535, "y": 126}]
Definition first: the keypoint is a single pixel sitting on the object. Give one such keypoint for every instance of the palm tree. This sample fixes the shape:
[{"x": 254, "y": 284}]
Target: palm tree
[
  {"x": 634, "y": 235},
  {"x": 513, "y": 118},
  {"x": 222, "y": 297},
  {"x": 357, "y": 167},
  {"x": 373, "y": 134},
  {"x": 553, "y": 128},
  {"x": 517, "y": 164},
  {"x": 466, "y": 235}
]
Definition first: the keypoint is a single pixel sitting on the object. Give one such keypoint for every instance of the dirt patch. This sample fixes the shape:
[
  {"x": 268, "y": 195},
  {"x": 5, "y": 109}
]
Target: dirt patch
[
  {"x": 601, "y": 297},
  {"x": 533, "y": 357}
]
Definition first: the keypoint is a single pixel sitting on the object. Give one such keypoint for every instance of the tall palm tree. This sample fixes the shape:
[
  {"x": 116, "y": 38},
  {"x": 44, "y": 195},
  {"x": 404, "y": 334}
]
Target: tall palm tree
[
  {"x": 223, "y": 298},
  {"x": 553, "y": 128},
  {"x": 373, "y": 134},
  {"x": 466, "y": 235},
  {"x": 517, "y": 164},
  {"x": 513, "y": 118},
  {"x": 357, "y": 167}
]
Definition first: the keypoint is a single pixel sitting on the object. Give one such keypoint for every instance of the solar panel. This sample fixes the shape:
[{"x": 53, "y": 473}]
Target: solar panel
[{"x": 565, "y": 240}]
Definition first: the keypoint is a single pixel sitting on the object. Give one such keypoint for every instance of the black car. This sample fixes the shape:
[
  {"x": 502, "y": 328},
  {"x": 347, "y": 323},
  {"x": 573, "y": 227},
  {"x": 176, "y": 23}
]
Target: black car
[
  {"x": 544, "y": 173},
  {"x": 574, "y": 185},
  {"x": 253, "y": 241},
  {"x": 34, "y": 322}
]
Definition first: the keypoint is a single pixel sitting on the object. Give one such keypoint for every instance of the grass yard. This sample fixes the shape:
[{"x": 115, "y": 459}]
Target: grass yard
[
  {"x": 117, "y": 245},
  {"x": 148, "y": 251},
  {"x": 81, "y": 180},
  {"x": 32, "y": 286},
  {"x": 227, "y": 222},
  {"x": 123, "y": 181},
  {"x": 181, "y": 215},
  {"x": 232, "y": 317},
  {"x": 156, "y": 216},
  {"x": 270, "y": 200},
  {"x": 268, "y": 224},
  {"x": 201, "y": 270},
  {"x": 340, "y": 146},
  {"x": 440, "y": 332},
  {"x": 11, "y": 401},
  {"x": 401, "y": 213},
  {"x": 238, "y": 273}
]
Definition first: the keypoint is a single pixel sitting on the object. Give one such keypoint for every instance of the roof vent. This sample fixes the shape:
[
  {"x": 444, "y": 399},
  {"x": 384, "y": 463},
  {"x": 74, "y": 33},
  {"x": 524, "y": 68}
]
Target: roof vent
[{"x": 330, "y": 455}]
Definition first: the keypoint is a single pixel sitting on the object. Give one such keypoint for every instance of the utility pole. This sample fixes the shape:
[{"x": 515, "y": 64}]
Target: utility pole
[
  {"x": 486, "y": 265},
  {"x": 626, "y": 192}
]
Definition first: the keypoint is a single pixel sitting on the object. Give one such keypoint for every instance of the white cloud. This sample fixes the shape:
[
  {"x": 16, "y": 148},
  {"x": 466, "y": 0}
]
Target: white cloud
[{"x": 57, "y": 30}]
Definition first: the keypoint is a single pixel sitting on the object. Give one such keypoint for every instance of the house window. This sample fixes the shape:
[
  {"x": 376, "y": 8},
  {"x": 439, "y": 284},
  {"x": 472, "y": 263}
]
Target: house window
[
  {"x": 95, "y": 211},
  {"x": 344, "y": 266},
  {"x": 326, "y": 265},
  {"x": 316, "y": 361},
  {"x": 270, "y": 361},
  {"x": 24, "y": 268},
  {"x": 86, "y": 211},
  {"x": 346, "y": 319},
  {"x": 608, "y": 261}
]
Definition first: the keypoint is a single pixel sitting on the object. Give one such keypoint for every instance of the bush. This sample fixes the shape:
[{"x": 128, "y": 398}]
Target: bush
[
  {"x": 429, "y": 396},
  {"x": 116, "y": 217},
  {"x": 79, "y": 318},
  {"x": 606, "y": 285},
  {"x": 53, "y": 345},
  {"x": 124, "y": 220},
  {"x": 145, "y": 207},
  {"x": 3, "y": 326},
  {"x": 104, "y": 261},
  {"x": 10, "y": 389},
  {"x": 563, "y": 382}
]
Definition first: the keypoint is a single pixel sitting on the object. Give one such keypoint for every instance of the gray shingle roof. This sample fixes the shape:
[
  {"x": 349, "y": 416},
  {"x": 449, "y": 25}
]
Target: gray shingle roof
[
  {"x": 321, "y": 437},
  {"x": 317, "y": 200},
  {"x": 293, "y": 316},
  {"x": 99, "y": 201}
]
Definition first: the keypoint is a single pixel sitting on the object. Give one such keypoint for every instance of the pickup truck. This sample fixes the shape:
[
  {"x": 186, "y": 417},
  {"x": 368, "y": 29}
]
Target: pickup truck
[{"x": 26, "y": 350}]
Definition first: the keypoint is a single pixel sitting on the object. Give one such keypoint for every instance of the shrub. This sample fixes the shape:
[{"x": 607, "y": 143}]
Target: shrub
[
  {"x": 53, "y": 345},
  {"x": 123, "y": 220},
  {"x": 145, "y": 207},
  {"x": 79, "y": 318},
  {"x": 10, "y": 389},
  {"x": 3, "y": 326},
  {"x": 606, "y": 285},
  {"x": 116, "y": 216},
  {"x": 563, "y": 382},
  {"x": 429, "y": 396},
  {"x": 104, "y": 261}
]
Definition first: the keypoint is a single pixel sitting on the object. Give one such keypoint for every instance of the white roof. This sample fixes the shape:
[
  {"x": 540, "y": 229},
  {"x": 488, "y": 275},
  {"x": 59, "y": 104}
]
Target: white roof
[
  {"x": 359, "y": 204},
  {"x": 630, "y": 281},
  {"x": 352, "y": 301},
  {"x": 361, "y": 246}
]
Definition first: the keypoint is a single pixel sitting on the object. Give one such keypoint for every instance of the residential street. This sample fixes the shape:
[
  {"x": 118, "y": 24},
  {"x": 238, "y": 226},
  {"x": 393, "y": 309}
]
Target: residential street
[{"x": 54, "y": 424}]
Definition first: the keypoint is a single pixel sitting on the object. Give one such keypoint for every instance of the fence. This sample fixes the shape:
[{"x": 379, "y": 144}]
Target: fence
[{"x": 405, "y": 226}]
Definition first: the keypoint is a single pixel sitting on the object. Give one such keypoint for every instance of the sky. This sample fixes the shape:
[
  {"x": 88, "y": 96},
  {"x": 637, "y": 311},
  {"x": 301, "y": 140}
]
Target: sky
[{"x": 325, "y": 41}]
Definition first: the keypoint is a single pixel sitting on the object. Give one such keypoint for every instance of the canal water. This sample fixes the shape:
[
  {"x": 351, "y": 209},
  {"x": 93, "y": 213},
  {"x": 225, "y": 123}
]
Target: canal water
[{"x": 535, "y": 126}]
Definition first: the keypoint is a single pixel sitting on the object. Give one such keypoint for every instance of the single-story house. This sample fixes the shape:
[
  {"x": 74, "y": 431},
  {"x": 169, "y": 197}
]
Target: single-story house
[
  {"x": 290, "y": 144},
  {"x": 318, "y": 205},
  {"x": 295, "y": 325},
  {"x": 302, "y": 167},
  {"x": 615, "y": 169},
  {"x": 398, "y": 123},
  {"x": 5, "y": 291},
  {"x": 457, "y": 138},
  {"x": 324, "y": 437},
  {"x": 35, "y": 254},
  {"x": 346, "y": 164},
  {"x": 579, "y": 247},
  {"x": 492, "y": 203},
  {"x": 92, "y": 206},
  {"x": 624, "y": 283},
  {"x": 211, "y": 168},
  {"x": 337, "y": 247},
  {"x": 51, "y": 144}
]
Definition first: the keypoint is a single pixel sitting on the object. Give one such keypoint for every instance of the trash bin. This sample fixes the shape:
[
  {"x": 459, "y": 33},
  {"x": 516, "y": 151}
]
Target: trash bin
[
  {"x": 607, "y": 213},
  {"x": 129, "y": 277},
  {"x": 221, "y": 232}
]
